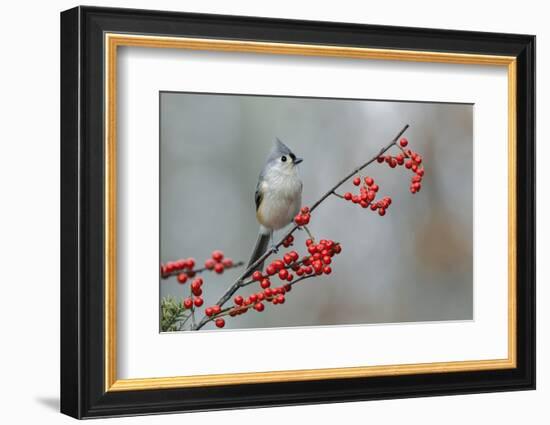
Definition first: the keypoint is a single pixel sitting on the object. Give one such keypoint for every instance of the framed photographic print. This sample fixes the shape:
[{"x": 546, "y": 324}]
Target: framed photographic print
[{"x": 261, "y": 212}]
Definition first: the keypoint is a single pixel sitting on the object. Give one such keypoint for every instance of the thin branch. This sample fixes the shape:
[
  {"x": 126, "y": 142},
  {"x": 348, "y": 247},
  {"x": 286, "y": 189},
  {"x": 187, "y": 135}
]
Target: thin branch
[{"x": 239, "y": 282}]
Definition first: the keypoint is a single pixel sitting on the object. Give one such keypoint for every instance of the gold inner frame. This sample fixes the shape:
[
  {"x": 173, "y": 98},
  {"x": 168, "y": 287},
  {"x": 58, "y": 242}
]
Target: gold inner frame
[{"x": 113, "y": 41}]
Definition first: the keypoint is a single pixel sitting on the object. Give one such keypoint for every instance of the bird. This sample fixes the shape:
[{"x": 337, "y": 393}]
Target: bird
[{"x": 278, "y": 197}]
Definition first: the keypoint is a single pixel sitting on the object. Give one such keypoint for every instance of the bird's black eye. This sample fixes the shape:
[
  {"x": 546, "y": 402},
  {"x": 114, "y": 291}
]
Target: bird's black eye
[{"x": 283, "y": 158}]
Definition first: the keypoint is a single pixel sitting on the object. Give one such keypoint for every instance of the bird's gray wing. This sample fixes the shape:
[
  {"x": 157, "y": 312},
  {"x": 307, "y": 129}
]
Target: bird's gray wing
[{"x": 258, "y": 196}]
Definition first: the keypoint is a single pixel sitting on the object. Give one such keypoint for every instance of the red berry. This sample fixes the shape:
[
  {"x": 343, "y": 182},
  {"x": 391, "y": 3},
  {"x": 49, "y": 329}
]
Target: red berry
[
  {"x": 392, "y": 163},
  {"x": 400, "y": 159},
  {"x": 414, "y": 167},
  {"x": 227, "y": 262},
  {"x": 270, "y": 270},
  {"x": 278, "y": 264},
  {"x": 253, "y": 298},
  {"x": 220, "y": 323},
  {"x": 209, "y": 264},
  {"x": 217, "y": 255},
  {"x": 259, "y": 307},
  {"x": 309, "y": 242},
  {"x": 182, "y": 278},
  {"x": 412, "y": 189},
  {"x": 257, "y": 275},
  {"x": 209, "y": 311},
  {"x": 304, "y": 210},
  {"x": 374, "y": 188},
  {"x": 348, "y": 196},
  {"x": 327, "y": 270},
  {"x": 408, "y": 164},
  {"x": 403, "y": 142},
  {"x": 238, "y": 300},
  {"x": 197, "y": 291},
  {"x": 369, "y": 181},
  {"x": 287, "y": 259},
  {"x": 265, "y": 283},
  {"x": 381, "y": 211},
  {"x": 338, "y": 249},
  {"x": 356, "y": 181},
  {"x": 188, "y": 303},
  {"x": 218, "y": 268},
  {"x": 216, "y": 309},
  {"x": 420, "y": 172},
  {"x": 198, "y": 301},
  {"x": 283, "y": 274},
  {"x": 380, "y": 159},
  {"x": 190, "y": 263},
  {"x": 280, "y": 299}
]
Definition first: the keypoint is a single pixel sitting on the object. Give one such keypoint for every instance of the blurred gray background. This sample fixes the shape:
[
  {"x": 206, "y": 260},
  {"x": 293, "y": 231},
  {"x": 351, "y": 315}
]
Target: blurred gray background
[{"x": 414, "y": 264}]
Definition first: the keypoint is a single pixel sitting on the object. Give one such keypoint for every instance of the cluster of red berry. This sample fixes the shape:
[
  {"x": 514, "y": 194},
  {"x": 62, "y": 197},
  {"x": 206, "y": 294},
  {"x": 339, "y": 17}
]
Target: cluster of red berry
[
  {"x": 185, "y": 269},
  {"x": 367, "y": 194},
  {"x": 178, "y": 266},
  {"x": 196, "y": 291},
  {"x": 288, "y": 241},
  {"x": 303, "y": 217},
  {"x": 412, "y": 161},
  {"x": 217, "y": 262},
  {"x": 257, "y": 300},
  {"x": 316, "y": 262}
]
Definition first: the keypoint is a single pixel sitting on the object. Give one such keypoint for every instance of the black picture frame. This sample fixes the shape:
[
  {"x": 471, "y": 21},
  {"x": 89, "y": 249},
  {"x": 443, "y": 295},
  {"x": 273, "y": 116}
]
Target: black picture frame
[{"x": 83, "y": 392}]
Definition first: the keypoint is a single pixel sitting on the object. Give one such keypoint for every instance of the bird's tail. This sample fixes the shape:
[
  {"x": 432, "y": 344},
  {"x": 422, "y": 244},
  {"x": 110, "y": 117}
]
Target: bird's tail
[{"x": 259, "y": 249}]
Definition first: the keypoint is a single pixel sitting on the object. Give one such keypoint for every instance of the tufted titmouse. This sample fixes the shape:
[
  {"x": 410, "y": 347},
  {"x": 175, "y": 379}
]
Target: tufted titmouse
[{"x": 278, "y": 196}]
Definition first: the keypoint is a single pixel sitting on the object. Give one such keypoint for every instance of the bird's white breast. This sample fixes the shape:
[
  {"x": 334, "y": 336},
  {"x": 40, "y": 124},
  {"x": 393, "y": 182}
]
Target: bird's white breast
[{"x": 281, "y": 199}]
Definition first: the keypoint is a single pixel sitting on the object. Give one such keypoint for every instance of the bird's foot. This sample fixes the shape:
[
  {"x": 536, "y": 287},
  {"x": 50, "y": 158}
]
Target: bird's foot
[{"x": 274, "y": 248}]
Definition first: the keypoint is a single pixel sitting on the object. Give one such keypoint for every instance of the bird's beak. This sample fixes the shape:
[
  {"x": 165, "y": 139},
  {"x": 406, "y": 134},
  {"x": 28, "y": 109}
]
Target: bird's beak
[{"x": 298, "y": 160}]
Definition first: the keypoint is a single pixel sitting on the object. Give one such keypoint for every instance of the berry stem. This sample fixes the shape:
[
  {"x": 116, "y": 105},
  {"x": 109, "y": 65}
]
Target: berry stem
[
  {"x": 193, "y": 319},
  {"x": 308, "y": 233},
  {"x": 239, "y": 282}
]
